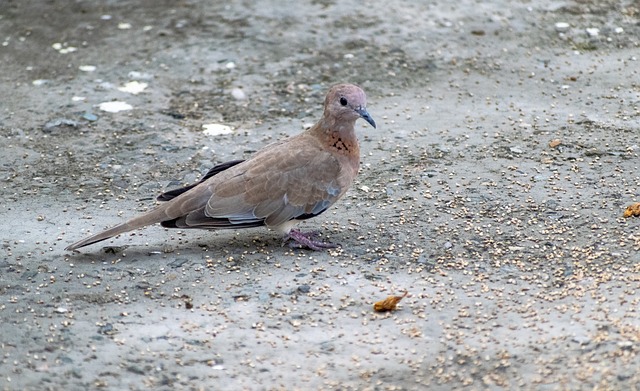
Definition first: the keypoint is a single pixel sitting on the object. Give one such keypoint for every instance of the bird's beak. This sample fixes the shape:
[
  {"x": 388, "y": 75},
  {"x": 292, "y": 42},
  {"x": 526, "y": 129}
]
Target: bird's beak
[{"x": 365, "y": 116}]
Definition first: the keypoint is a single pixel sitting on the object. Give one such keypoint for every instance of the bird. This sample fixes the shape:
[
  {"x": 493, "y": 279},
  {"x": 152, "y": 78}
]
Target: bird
[{"x": 283, "y": 183}]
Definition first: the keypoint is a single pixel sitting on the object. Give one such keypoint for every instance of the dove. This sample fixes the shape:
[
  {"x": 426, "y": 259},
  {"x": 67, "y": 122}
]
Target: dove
[{"x": 282, "y": 184}]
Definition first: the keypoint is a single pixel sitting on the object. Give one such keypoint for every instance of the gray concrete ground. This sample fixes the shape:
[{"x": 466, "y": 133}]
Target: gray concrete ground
[{"x": 492, "y": 191}]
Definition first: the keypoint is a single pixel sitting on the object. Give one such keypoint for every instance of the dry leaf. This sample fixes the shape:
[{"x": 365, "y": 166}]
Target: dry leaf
[
  {"x": 389, "y": 304},
  {"x": 554, "y": 143},
  {"x": 632, "y": 210}
]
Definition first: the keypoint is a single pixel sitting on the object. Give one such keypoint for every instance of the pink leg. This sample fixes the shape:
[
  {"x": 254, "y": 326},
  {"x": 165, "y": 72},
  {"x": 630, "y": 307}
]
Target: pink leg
[{"x": 303, "y": 239}]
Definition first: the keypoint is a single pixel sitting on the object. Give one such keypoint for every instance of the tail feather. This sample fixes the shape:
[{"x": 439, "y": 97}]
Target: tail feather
[
  {"x": 155, "y": 216},
  {"x": 180, "y": 205}
]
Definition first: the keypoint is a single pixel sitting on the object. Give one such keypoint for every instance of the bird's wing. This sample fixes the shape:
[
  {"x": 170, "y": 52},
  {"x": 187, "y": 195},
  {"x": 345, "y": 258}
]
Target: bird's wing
[
  {"x": 171, "y": 194},
  {"x": 294, "y": 180}
]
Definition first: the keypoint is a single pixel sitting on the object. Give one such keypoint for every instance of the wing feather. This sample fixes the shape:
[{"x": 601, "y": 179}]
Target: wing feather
[{"x": 293, "y": 180}]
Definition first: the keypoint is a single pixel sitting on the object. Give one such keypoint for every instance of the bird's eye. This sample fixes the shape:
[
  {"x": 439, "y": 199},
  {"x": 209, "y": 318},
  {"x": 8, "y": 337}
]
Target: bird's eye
[{"x": 343, "y": 101}]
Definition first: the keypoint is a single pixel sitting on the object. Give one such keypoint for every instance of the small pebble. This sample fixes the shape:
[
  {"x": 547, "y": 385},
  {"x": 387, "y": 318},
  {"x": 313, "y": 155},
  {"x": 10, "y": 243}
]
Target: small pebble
[
  {"x": 133, "y": 87},
  {"x": 114, "y": 106},
  {"x": 87, "y": 68},
  {"x": 582, "y": 339},
  {"x": 106, "y": 329},
  {"x": 238, "y": 94},
  {"x": 63, "y": 49},
  {"x": 49, "y": 126},
  {"x": 593, "y": 31},
  {"x": 216, "y": 129},
  {"x": 561, "y": 27},
  {"x": 89, "y": 116},
  {"x": 135, "y": 75},
  {"x": 304, "y": 288},
  {"x": 105, "y": 85}
]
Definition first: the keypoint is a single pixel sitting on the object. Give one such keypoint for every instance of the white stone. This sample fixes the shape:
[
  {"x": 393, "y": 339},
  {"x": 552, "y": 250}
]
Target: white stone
[
  {"x": 133, "y": 87},
  {"x": 216, "y": 129},
  {"x": 238, "y": 94},
  {"x": 114, "y": 106},
  {"x": 593, "y": 31}
]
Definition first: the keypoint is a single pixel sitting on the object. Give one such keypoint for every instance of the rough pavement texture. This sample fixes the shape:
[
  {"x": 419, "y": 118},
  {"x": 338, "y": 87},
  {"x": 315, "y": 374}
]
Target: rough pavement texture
[{"x": 492, "y": 191}]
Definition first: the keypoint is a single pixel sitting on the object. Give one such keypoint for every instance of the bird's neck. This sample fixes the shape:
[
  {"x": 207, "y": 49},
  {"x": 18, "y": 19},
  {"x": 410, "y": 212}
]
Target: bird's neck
[{"x": 338, "y": 136}]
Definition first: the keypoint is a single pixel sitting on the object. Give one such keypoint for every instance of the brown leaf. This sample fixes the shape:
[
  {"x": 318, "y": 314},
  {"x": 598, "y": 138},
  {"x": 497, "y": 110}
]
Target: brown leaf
[
  {"x": 389, "y": 304},
  {"x": 554, "y": 143},
  {"x": 632, "y": 210}
]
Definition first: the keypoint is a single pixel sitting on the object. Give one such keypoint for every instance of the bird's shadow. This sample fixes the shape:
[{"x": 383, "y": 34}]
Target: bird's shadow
[{"x": 193, "y": 248}]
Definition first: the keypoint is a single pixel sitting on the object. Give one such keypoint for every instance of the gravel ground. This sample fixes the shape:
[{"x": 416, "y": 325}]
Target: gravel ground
[{"x": 492, "y": 192}]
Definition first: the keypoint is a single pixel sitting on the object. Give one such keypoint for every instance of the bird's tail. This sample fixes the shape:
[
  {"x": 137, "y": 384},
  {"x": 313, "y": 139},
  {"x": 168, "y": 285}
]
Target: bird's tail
[{"x": 154, "y": 216}]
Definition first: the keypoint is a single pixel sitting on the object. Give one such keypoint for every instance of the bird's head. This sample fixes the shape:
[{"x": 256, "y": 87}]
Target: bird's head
[{"x": 347, "y": 102}]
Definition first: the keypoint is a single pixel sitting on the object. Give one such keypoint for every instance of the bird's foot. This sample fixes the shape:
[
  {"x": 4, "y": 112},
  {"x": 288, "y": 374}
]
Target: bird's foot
[{"x": 306, "y": 239}]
